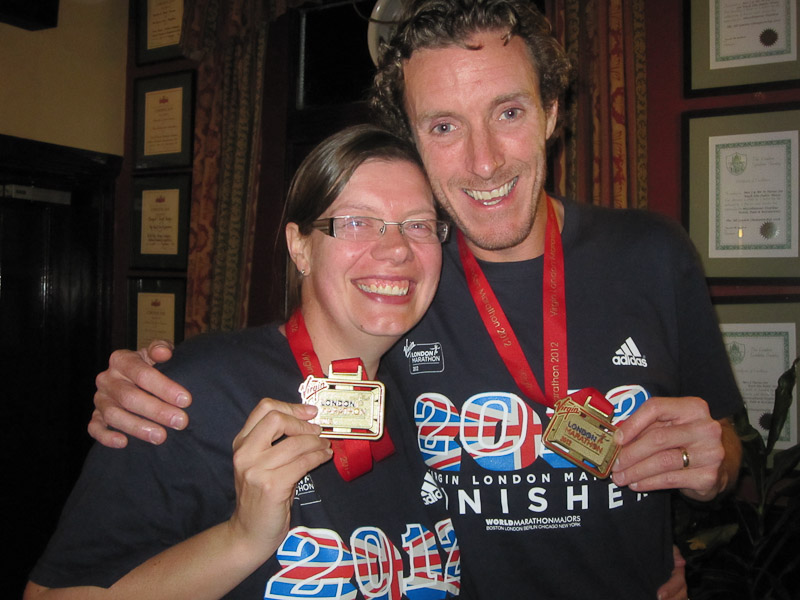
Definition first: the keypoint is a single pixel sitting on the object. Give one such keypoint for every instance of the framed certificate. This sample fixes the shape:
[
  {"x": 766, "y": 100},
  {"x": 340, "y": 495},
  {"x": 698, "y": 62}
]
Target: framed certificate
[
  {"x": 163, "y": 115},
  {"x": 159, "y": 25},
  {"x": 156, "y": 309},
  {"x": 160, "y": 221},
  {"x": 740, "y": 45},
  {"x": 761, "y": 339},
  {"x": 740, "y": 181}
]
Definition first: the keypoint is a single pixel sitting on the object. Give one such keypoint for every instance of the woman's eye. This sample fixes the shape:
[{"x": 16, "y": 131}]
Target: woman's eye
[{"x": 355, "y": 223}]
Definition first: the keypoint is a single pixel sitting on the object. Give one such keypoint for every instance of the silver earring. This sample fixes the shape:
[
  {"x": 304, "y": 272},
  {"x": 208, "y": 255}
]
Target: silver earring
[{"x": 302, "y": 272}]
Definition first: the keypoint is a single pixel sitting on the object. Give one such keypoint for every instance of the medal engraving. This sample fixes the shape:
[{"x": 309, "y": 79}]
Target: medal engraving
[
  {"x": 583, "y": 435},
  {"x": 347, "y": 406}
]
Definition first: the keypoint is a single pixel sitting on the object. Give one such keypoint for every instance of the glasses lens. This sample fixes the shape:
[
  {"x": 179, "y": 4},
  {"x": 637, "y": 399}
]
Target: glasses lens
[
  {"x": 357, "y": 228},
  {"x": 442, "y": 229},
  {"x": 369, "y": 229},
  {"x": 421, "y": 230}
]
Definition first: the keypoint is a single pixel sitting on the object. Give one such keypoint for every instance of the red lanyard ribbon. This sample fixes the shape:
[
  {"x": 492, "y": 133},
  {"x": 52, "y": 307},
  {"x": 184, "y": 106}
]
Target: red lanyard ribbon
[
  {"x": 554, "y": 319},
  {"x": 352, "y": 458}
]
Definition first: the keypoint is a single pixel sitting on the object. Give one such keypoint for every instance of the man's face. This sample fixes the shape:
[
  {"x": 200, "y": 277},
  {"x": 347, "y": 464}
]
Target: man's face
[{"x": 481, "y": 129}]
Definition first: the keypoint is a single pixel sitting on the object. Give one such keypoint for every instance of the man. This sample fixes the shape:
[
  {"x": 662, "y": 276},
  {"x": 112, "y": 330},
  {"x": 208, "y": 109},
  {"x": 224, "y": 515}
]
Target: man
[{"x": 519, "y": 323}]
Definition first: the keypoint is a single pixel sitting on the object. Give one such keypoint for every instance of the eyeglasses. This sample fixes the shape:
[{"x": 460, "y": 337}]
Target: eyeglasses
[{"x": 369, "y": 229}]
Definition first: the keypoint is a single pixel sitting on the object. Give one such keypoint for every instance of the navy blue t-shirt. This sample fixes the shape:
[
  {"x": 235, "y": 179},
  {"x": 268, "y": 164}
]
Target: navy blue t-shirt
[
  {"x": 354, "y": 539},
  {"x": 640, "y": 324}
]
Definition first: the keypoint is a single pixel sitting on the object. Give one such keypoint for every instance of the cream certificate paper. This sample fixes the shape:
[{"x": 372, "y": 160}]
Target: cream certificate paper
[
  {"x": 155, "y": 317},
  {"x": 752, "y": 32},
  {"x": 164, "y": 23},
  {"x": 760, "y": 353},
  {"x": 160, "y": 221},
  {"x": 753, "y": 192},
  {"x": 163, "y": 115}
]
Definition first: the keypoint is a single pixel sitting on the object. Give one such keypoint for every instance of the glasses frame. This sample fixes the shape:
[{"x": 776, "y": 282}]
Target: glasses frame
[{"x": 442, "y": 228}]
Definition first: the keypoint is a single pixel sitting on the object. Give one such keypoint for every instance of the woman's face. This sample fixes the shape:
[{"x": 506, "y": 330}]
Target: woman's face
[{"x": 381, "y": 287}]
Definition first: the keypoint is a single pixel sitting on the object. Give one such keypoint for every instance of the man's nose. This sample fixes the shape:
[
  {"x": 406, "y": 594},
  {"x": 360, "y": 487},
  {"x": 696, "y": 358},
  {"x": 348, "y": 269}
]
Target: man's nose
[{"x": 485, "y": 153}]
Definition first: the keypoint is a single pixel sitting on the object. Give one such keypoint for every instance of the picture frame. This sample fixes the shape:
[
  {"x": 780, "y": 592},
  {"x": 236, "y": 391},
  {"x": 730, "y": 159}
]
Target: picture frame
[
  {"x": 163, "y": 115},
  {"x": 159, "y": 26},
  {"x": 333, "y": 61},
  {"x": 156, "y": 310},
  {"x": 749, "y": 53},
  {"x": 160, "y": 221},
  {"x": 762, "y": 337},
  {"x": 740, "y": 192}
]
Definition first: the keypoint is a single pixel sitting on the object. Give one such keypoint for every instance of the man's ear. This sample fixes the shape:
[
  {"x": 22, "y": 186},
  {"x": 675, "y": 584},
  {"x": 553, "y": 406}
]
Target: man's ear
[{"x": 299, "y": 246}]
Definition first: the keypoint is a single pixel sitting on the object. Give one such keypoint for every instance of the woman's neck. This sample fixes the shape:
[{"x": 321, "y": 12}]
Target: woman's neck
[{"x": 329, "y": 345}]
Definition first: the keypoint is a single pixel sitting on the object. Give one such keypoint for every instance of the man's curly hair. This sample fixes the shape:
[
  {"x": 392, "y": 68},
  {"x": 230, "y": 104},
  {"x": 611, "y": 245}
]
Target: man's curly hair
[{"x": 440, "y": 23}]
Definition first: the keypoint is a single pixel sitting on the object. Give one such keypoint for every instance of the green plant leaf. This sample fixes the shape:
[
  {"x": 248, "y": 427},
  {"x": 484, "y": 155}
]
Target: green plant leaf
[
  {"x": 714, "y": 537},
  {"x": 784, "y": 462},
  {"x": 790, "y": 490},
  {"x": 754, "y": 452},
  {"x": 783, "y": 400}
]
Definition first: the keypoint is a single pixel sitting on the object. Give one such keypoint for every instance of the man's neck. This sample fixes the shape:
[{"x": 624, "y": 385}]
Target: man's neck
[{"x": 531, "y": 247}]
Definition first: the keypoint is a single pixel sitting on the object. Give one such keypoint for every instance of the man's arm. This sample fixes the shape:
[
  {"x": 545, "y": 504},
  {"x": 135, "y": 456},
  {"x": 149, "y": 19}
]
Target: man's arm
[
  {"x": 674, "y": 443},
  {"x": 137, "y": 399},
  {"x": 675, "y": 588}
]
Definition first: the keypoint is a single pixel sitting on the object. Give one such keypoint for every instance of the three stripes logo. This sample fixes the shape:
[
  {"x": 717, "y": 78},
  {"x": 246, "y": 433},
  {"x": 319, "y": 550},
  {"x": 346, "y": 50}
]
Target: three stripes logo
[{"x": 629, "y": 355}]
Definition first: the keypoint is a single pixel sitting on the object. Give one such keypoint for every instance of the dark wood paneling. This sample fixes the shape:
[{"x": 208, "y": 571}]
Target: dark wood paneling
[{"x": 54, "y": 306}]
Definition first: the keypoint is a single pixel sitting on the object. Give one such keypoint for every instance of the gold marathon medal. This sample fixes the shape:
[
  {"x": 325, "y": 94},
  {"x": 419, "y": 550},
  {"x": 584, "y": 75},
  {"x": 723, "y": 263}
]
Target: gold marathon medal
[
  {"x": 582, "y": 433},
  {"x": 581, "y": 429},
  {"x": 347, "y": 406}
]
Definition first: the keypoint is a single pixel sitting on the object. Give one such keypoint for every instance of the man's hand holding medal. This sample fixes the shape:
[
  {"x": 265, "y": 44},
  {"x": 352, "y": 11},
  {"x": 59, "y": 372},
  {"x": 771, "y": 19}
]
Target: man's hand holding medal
[{"x": 674, "y": 443}]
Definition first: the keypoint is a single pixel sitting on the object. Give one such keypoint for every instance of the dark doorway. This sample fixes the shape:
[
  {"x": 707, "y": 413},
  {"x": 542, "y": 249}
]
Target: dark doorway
[{"x": 55, "y": 205}]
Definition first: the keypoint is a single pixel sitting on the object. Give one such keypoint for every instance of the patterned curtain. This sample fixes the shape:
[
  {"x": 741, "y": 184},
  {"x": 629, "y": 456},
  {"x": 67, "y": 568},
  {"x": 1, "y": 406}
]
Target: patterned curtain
[
  {"x": 602, "y": 155},
  {"x": 228, "y": 39},
  {"x": 603, "y": 146}
]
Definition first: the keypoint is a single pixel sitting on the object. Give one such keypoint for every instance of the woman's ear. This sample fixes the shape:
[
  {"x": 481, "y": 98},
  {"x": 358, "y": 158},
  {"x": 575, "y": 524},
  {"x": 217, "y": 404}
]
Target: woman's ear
[{"x": 299, "y": 246}]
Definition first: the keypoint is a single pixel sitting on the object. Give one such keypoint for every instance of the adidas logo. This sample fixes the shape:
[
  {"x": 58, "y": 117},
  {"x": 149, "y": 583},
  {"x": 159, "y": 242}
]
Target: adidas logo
[
  {"x": 430, "y": 492},
  {"x": 629, "y": 355}
]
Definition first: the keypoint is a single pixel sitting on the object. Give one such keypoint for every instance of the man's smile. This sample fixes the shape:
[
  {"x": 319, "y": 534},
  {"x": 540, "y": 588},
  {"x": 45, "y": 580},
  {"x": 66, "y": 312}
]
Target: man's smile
[{"x": 492, "y": 197}]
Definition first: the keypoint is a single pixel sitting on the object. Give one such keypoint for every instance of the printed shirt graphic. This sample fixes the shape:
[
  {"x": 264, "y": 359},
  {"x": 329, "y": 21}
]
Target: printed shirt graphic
[
  {"x": 628, "y": 354},
  {"x": 371, "y": 538},
  {"x": 522, "y": 513},
  {"x": 317, "y": 563},
  {"x": 424, "y": 358}
]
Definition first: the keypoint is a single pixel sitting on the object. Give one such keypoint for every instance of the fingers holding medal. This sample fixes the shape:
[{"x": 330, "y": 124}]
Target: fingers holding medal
[
  {"x": 274, "y": 450},
  {"x": 670, "y": 443}
]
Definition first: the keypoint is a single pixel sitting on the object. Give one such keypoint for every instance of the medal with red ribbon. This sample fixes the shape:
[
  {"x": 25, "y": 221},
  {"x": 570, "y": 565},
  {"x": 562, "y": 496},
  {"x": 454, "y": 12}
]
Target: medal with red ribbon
[
  {"x": 350, "y": 408},
  {"x": 587, "y": 411}
]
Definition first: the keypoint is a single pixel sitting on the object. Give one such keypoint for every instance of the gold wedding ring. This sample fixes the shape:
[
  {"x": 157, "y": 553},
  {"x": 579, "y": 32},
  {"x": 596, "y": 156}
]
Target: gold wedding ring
[{"x": 685, "y": 457}]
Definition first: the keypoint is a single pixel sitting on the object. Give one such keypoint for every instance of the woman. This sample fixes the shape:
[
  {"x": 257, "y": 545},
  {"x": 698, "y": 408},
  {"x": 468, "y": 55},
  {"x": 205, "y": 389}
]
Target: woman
[{"x": 191, "y": 520}]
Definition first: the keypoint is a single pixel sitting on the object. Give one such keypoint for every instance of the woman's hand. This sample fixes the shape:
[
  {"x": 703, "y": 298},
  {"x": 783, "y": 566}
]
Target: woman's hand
[{"x": 274, "y": 450}]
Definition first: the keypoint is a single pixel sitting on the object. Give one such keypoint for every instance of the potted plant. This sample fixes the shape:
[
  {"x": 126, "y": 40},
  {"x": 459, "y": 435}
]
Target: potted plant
[{"x": 746, "y": 545}]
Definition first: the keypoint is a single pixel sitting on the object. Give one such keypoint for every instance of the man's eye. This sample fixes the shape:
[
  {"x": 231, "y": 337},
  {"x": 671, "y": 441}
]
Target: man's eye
[
  {"x": 443, "y": 128},
  {"x": 510, "y": 113}
]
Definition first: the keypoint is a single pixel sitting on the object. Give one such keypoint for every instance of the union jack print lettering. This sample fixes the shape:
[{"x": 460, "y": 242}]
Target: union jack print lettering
[
  {"x": 317, "y": 564},
  {"x": 378, "y": 564},
  {"x": 438, "y": 425},
  {"x": 498, "y": 429}
]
